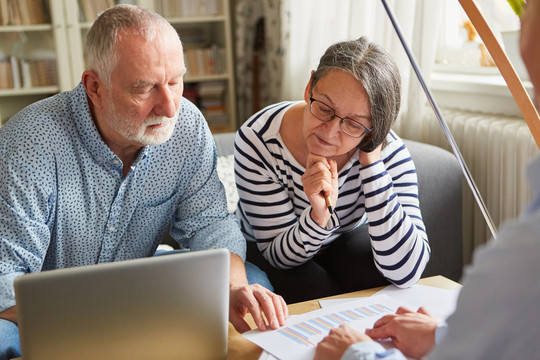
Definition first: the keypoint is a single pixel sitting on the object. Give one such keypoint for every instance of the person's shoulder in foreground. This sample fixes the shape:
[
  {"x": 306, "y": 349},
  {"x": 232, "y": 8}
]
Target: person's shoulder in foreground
[{"x": 495, "y": 310}]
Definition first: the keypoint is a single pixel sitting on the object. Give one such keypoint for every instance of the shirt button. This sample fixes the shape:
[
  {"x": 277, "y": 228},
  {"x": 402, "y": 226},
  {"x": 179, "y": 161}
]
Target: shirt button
[
  {"x": 116, "y": 162},
  {"x": 111, "y": 228}
]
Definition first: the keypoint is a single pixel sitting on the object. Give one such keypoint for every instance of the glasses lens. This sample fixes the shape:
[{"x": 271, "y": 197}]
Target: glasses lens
[
  {"x": 352, "y": 127},
  {"x": 321, "y": 111}
]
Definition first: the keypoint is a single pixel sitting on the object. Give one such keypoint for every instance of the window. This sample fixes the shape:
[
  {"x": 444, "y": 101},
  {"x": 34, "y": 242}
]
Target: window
[
  {"x": 464, "y": 75},
  {"x": 459, "y": 46}
]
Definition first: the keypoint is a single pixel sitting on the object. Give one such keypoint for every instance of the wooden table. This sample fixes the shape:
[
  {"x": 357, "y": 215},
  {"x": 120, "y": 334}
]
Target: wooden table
[{"x": 242, "y": 349}]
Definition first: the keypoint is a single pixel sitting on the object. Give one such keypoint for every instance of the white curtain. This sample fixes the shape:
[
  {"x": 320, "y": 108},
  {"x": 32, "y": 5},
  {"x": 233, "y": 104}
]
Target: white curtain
[{"x": 310, "y": 26}]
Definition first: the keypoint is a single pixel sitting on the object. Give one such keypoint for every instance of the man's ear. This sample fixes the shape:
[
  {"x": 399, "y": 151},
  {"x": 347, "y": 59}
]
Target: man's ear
[{"x": 94, "y": 87}]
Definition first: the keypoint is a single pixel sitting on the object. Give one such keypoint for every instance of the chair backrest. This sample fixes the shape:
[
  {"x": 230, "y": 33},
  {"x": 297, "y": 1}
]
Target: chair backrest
[{"x": 440, "y": 183}]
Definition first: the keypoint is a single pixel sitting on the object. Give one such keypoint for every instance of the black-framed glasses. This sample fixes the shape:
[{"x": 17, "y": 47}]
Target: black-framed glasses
[{"x": 325, "y": 113}]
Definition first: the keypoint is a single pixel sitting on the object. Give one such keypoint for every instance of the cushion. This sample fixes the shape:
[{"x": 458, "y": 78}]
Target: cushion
[{"x": 225, "y": 170}]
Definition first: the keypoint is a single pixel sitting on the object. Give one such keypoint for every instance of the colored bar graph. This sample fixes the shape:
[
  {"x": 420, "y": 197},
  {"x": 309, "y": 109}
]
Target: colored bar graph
[
  {"x": 303, "y": 332},
  {"x": 295, "y": 336}
]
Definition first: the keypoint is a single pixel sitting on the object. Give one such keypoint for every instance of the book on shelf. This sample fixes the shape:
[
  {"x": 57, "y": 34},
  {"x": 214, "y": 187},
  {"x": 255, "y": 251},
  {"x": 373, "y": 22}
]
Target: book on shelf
[
  {"x": 194, "y": 37},
  {"x": 43, "y": 72},
  {"x": 24, "y": 73},
  {"x": 6, "y": 74},
  {"x": 24, "y": 12},
  {"x": 211, "y": 97},
  {"x": 4, "y": 12},
  {"x": 212, "y": 89},
  {"x": 16, "y": 70},
  {"x": 10, "y": 76},
  {"x": 90, "y": 9},
  {"x": 205, "y": 61},
  {"x": 189, "y": 8},
  {"x": 191, "y": 93}
]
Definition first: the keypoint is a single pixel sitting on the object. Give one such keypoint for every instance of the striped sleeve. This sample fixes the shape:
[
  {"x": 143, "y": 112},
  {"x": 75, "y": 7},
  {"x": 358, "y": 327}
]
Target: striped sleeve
[
  {"x": 398, "y": 236},
  {"x": 284, "y": 238}
]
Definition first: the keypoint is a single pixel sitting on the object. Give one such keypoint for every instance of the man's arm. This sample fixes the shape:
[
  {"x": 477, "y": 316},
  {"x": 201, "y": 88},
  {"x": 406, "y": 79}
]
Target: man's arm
[
  {"x": 9, "y": 314},
  {"x": 254, "y": 299},
  {"x": 413, "y": 333}
]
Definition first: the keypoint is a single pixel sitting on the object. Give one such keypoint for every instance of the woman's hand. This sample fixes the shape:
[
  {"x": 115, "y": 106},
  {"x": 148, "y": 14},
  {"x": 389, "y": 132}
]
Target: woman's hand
[
  {"x": 367, "y": 158},
  {"x": 320, "y": 180}
]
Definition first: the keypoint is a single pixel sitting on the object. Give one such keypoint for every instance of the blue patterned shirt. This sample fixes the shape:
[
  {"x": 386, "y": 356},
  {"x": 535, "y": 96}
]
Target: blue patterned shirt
[{"x": 64, "y": 201}]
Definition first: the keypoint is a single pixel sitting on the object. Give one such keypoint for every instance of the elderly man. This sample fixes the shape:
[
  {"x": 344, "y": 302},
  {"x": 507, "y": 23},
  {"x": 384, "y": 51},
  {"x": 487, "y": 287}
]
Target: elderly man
[{"x": 102, "y": 172}]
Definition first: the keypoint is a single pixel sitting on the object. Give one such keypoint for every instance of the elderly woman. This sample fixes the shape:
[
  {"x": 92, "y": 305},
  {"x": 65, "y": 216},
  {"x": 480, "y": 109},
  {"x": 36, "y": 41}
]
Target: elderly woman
[{"x": 309, "y": 173}]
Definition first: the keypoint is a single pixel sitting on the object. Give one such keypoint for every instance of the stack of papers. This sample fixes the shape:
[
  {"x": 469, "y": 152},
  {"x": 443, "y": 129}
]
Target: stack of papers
[{"x": 297, "y": 340}]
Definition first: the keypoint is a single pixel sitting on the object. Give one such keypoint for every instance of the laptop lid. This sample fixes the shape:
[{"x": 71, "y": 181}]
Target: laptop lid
[{"x": 163, "y": 307}]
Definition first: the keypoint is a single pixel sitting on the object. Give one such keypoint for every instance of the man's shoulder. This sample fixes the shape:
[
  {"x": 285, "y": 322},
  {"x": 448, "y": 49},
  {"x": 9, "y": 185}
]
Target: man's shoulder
[
  {"x": 191, "y": 134},
  {"x": 42, "y": 113},
  {"x": 190, "y": 123},
  {"x": 189, "y": 110},
  {"x": 39, "y": 119}
]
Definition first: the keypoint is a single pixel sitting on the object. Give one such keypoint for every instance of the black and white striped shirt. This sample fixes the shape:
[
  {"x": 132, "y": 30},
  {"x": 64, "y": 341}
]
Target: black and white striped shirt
[{"x": 274, "y": 210}]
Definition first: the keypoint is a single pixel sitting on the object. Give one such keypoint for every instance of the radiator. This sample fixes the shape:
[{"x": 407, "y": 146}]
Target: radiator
[{"x": 497, "y": 151}]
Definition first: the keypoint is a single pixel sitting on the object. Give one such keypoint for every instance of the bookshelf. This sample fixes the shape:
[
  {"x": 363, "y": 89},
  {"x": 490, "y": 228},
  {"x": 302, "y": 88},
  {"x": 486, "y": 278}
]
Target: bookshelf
[
  {"x": 31, "y": 38},
  {"x": 205, "y": 28},
  {"x": 43, "y": 50}
]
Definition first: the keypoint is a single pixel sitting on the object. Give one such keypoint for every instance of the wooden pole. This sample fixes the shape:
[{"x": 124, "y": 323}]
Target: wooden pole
[{"x": 523, "y": 101}]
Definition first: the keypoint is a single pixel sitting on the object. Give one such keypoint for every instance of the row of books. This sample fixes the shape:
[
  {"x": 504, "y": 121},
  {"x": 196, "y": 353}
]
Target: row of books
[
  {"x": 212, "y": 102},
  {"x": 24, "y": 73},
  {"x": 205, "y": 61},
  {"x": 210, "y": 98},
  {"x": 89, "y": 9},
  {"x": 187, "y": 8},
  {"x": 24, "y": 12},
  {"x": 27, "y": 12}
]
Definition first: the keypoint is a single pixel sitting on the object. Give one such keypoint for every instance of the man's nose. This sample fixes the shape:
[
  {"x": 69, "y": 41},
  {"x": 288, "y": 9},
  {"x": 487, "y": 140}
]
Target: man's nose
[{"x": 166, "y": 105}]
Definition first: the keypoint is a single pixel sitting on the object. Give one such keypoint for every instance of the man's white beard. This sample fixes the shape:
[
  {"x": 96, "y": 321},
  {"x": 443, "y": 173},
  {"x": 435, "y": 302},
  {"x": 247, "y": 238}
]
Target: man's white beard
[
  {"x": 149, "y": 136},
  {"x": 143, "y": 134}
]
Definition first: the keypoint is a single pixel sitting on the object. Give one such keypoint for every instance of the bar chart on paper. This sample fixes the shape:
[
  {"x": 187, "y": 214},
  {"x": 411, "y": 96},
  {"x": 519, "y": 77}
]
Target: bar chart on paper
[
  {"x": 298, "y": 339},
  {"x": 305, "y": 332}
]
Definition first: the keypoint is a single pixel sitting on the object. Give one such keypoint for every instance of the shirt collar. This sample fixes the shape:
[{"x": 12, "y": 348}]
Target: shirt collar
[{"x": 89, "y": 133}]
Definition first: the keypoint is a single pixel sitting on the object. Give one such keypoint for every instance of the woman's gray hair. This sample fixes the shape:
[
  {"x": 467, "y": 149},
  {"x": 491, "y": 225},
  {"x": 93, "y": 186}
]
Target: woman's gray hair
[
  {"x": 378, "y": 73},
  {"x": 101, "y": 40}
]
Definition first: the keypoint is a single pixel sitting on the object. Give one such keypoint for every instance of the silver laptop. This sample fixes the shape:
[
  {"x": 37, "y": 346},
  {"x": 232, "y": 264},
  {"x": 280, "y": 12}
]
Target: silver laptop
[{"x": 163, "y": 307}]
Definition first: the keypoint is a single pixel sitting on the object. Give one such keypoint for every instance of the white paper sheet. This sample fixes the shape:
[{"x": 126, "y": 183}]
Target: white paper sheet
[
  {"x": 441, "y": 303},
  {"x": 297, "y": 340}
]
